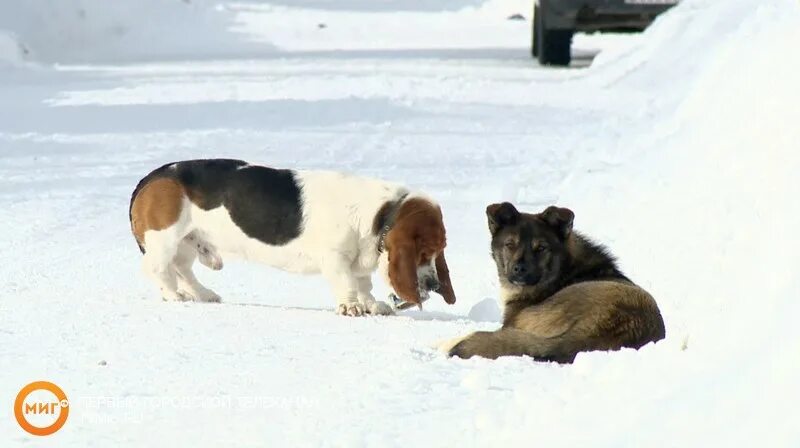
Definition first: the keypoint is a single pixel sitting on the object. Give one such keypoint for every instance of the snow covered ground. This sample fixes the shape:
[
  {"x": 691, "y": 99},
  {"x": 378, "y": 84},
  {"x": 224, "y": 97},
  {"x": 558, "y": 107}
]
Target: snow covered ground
[{"x": 678, "y": 148}]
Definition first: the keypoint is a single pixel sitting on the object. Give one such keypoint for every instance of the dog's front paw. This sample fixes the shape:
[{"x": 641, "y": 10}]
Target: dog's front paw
[
  {"x": 208, "y": 257},
  {"x": 350, "y": 309},
  {"x": 211, "y": 261},
  {"x": 207, "y": 295},
  {"x": 448, "y": 345},
  {"x": 378, "y": 308},
  {"x": 176, "y": 296}
]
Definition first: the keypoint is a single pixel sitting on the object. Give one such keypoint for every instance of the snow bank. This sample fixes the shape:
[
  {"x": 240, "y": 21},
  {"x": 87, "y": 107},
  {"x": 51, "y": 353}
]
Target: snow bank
[
  {"x": 675, "y": 47},
  {"x": 73, "y": 31},
  {"x": 705, "y": 215},
  {"x": 720, "y": 174}
]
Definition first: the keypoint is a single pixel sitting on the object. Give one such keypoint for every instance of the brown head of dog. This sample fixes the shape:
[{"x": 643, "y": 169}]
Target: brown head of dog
[
  {"x": 530, "y": 250},
  {"x": 415, "y": 249}
]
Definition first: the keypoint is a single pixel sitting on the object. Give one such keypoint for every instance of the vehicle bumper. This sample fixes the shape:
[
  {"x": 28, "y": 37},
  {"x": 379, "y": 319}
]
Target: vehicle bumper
[{"x": 588, "y": 15}]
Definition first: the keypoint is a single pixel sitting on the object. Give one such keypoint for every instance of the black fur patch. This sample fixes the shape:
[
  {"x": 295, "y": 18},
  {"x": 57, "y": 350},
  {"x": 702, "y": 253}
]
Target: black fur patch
[
  {"x": 596, "y": 263},
  {"x": 208, "y": 182},
  {"x": 384, "y": 219},
  {"x": 265, "y": 203}
]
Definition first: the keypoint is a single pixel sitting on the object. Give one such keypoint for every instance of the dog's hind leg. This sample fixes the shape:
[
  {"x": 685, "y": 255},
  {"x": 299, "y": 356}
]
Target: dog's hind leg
[
  {"x": 157, "y": 262},
  {"x": 160, "y": 220},
  {"x": 188, "y": 285}
]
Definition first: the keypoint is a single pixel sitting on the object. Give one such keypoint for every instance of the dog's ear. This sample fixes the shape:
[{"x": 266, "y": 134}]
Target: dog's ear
[
  {"x": 445, "y": 286},
  {"x": 403, "y": 271},
  {"x": 501, "y": 215},
  {"x": 560, "y": 219}
]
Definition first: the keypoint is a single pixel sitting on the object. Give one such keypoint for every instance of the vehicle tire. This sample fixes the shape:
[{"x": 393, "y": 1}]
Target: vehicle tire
[
  {"x": 535, "y": 25},
  {"x": 552, "y": 46}
]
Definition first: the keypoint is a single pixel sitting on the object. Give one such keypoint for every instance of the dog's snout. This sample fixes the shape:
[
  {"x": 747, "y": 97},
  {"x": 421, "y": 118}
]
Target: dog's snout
[
  {"x": 518, "y": 269},
  {"x": 521, "y": 273}
]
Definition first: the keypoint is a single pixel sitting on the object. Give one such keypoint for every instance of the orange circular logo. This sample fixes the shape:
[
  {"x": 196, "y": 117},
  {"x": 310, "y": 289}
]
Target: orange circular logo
[{"x": 53, "y": 409}]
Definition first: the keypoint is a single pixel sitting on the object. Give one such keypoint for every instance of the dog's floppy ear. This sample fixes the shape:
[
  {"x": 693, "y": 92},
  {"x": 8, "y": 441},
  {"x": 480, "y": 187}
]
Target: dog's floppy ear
[
  {"x": 403, "y": 271},
  {"x": 445, "y": 286},
  {"x": 501, "y": 215},
  {"x": 560, "y": 219}
]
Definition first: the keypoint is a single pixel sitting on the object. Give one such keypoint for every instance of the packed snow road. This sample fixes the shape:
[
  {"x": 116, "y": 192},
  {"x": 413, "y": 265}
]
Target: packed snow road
[{"x": 469, "y": 127}]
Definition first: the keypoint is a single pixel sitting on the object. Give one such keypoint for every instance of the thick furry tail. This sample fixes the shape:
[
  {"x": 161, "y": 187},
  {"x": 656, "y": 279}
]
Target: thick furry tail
[{"x": 512, "y": 342}]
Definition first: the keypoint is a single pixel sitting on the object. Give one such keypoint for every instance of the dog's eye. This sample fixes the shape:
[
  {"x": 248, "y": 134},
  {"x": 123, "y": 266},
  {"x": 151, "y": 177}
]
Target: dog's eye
[
  {"x": 539, "y": 247},
  {"x": 510, "y": 244}
]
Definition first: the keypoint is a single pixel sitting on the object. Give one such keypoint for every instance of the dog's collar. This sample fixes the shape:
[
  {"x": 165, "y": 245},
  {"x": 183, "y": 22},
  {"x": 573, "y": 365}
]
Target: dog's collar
[{"x": 388, "y": 221}]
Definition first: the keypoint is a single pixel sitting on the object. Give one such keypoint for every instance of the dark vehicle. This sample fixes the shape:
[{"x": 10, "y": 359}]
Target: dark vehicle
[{"x": 555, "y": 21}]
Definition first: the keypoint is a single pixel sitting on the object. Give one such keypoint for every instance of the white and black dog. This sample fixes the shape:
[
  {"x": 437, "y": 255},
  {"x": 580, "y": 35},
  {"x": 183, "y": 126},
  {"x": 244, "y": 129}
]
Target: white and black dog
[{"x": 339, "y": 225}]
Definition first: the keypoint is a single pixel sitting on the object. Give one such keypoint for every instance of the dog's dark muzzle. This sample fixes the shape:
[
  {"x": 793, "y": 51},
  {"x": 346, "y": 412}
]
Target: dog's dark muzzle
[
  {"x": 430, "y": 284},
  {"x": 521, "y": 275}
]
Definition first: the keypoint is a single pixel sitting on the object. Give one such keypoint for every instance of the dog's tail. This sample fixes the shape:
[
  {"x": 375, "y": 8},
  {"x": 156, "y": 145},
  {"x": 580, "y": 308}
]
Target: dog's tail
[{"x": 513, "y": 342}]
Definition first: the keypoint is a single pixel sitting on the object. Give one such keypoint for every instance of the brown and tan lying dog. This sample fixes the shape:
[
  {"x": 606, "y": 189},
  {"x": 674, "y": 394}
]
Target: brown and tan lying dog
[{"x": 562, "y": 293}]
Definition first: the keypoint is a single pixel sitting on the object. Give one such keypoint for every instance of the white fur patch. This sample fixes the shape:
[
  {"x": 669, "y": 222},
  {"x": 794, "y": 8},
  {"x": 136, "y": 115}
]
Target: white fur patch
[{"x": 508, "y": 293}]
